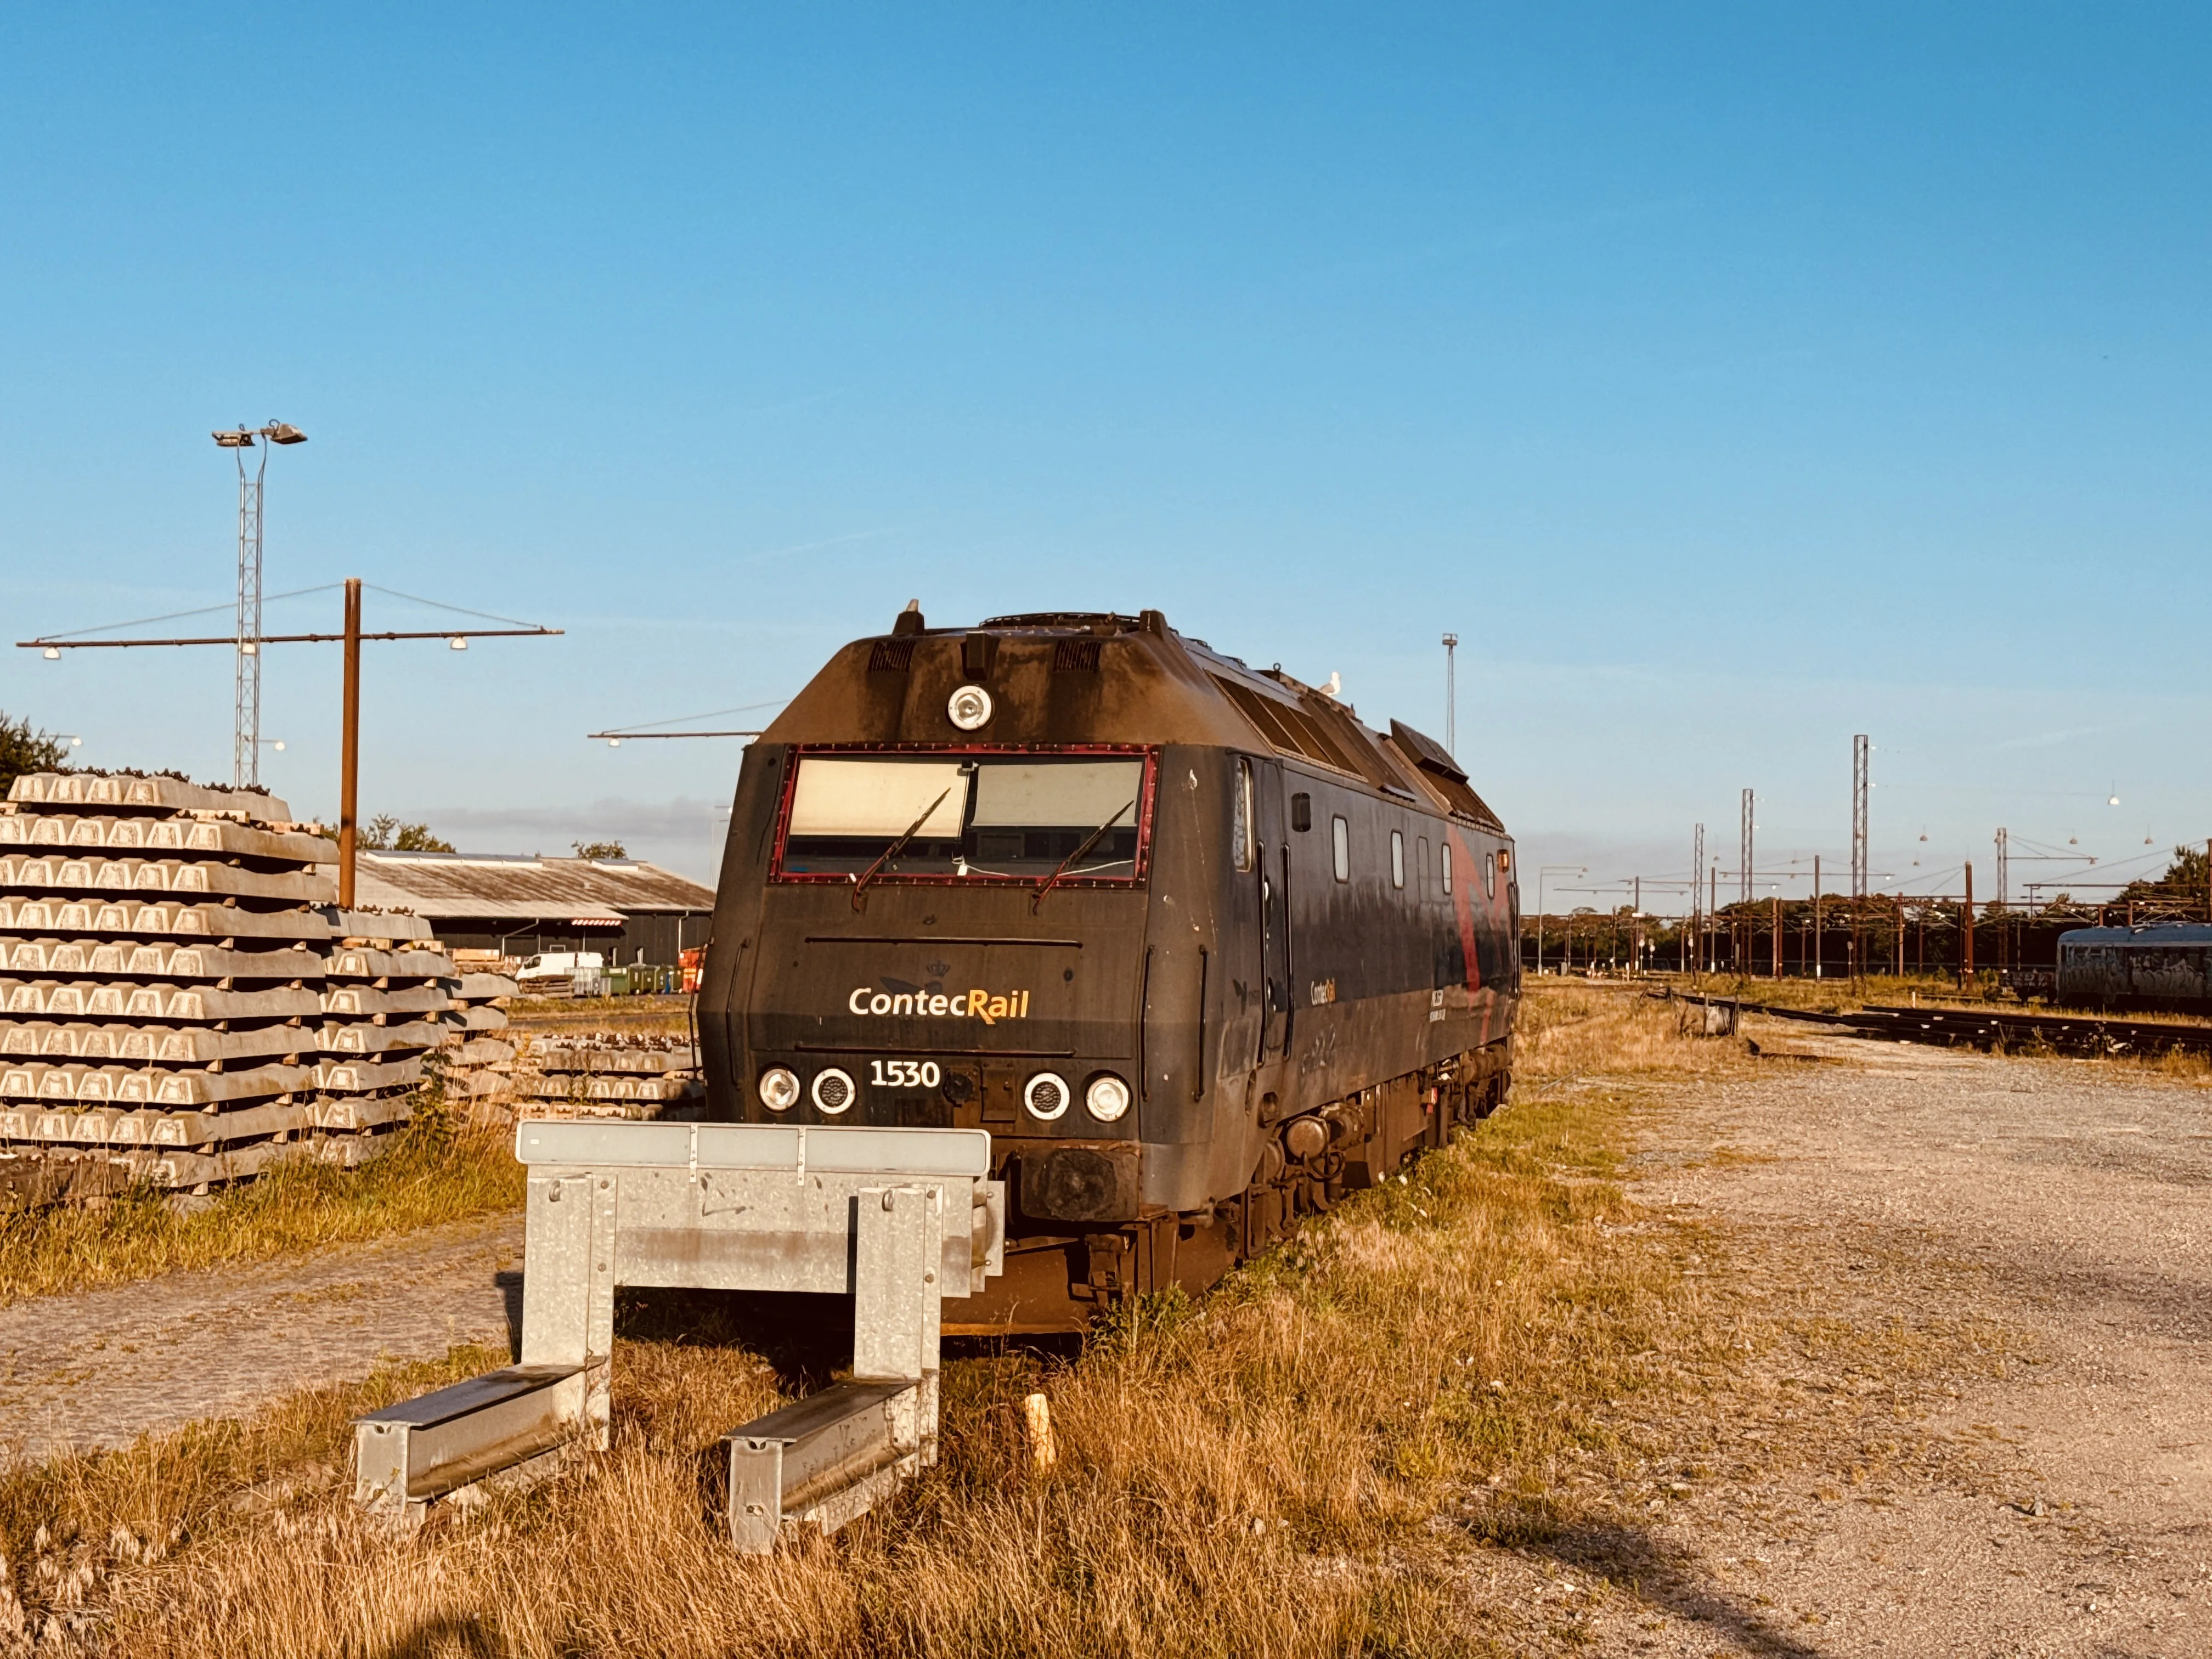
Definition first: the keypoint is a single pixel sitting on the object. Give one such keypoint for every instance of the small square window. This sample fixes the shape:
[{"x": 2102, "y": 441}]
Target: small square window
[
  {"x": 1397, "y": 859},
  {"x": 1340, "y": 834},
  {"x": 1302, "y": 812}
]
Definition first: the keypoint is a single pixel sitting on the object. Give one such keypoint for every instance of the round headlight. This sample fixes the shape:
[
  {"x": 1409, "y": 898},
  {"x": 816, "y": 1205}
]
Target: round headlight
[
  {"x": 1107, "y": 1098},
  {"x": 833, "y": 1091},
  {"x": 779, "y": 1088},
  {"x": 969, "y": 709},
  {"x": 1047, "y": 1096}
]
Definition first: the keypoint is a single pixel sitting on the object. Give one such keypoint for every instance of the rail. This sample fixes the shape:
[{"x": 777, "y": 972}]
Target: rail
[{"x": 2090, "y": 1034}]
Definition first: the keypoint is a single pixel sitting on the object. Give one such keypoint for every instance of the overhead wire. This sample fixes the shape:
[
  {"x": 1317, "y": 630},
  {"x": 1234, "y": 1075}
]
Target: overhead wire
[
  {"x": 174, "y": 616},
  {"x": 711, "y": 713},
  {"x": 439, "y": 604}
]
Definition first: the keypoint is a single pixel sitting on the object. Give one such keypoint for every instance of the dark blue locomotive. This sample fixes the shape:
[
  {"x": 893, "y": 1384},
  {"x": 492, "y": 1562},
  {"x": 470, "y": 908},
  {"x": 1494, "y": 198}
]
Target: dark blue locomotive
[{"x": 1199, "y": 949}]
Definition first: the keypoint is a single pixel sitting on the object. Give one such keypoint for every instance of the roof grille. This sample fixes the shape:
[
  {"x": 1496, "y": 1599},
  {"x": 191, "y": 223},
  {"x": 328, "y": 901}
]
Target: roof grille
[
  {"x": 891, "y": 657},
  {"x": 1075, "y": 656},
  {"x": 1287, "y": 726}
]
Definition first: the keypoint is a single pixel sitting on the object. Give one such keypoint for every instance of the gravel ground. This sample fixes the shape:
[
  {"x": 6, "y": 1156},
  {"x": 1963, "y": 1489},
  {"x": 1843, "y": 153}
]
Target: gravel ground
[
  {"x": 1975, "y": 1412},
  {"x": 100, "y": 1368}
]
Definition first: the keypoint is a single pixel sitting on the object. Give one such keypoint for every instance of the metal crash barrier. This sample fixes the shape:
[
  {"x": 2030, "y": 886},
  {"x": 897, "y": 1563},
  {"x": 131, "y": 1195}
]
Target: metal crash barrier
[{"x": 895, "y": 1219}]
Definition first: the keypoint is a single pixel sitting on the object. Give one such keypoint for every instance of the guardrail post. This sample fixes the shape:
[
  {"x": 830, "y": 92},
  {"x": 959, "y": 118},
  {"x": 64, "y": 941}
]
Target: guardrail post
[{"x": 567, "y": 1286}]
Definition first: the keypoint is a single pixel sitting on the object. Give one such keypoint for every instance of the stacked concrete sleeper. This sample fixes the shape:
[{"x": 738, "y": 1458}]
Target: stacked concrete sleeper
[
  {"x": 616, "y": 1076},
  {"x": 180, "y": 1003}
]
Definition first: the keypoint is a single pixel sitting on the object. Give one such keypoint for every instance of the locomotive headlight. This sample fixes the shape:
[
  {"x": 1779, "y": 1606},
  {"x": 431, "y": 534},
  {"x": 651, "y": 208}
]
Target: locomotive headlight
[
  {"x": 1107, "y": 1098},
  {"x": 779, "y": 1088},
  {"x": 833, "y": 1091},
  {"x": 970, "y": 708},
  {"x": 1047, "y": 1095}
]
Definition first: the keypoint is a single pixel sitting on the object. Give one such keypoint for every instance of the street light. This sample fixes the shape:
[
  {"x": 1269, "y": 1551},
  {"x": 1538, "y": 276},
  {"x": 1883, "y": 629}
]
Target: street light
[
  {"x": 1451, "y": 702},
  {"x": 245, "y": 702}
]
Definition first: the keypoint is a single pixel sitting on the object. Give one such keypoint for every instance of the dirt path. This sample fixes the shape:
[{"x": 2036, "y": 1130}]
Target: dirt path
[
  {"x": 1979, "y": 1416},
  {"x": 100, "y": 1368}
]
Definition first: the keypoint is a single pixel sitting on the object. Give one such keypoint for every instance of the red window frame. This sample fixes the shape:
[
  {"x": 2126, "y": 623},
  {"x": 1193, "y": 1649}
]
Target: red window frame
[{"x": 841, "y": 878}]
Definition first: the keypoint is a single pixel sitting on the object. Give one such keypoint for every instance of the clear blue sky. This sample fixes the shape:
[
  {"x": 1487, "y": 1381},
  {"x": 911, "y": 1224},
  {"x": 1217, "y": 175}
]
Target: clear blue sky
[{"x": 1730, "y": 379}]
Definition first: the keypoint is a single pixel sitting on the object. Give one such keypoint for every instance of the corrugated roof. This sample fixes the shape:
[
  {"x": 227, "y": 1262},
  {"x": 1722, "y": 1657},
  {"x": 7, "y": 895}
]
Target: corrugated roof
[{"x": 458, "y": 884}]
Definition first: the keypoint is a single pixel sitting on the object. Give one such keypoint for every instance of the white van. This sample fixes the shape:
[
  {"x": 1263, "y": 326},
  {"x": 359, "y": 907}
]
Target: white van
[{"x": 556, "y": 971}]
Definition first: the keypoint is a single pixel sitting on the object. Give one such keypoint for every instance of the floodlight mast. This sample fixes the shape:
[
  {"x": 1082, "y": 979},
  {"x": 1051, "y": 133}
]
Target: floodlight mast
[{"x": 246, "y": 696}]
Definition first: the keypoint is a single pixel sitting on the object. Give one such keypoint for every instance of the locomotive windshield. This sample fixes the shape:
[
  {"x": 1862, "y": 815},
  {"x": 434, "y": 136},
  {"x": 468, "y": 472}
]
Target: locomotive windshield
[{"x": 1016, "y": 818}]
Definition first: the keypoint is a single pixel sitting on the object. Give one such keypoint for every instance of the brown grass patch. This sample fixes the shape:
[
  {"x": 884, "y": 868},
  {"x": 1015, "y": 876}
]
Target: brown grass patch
[
  {"x": 429, "y": 1175},
  {"x": 1572, "y": 1031},
  {"x": 1257, "y": 1472}
]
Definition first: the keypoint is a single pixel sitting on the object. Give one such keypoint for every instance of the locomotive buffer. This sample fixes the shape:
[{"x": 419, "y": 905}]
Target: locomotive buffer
[{"x": 897, "y": 1218}]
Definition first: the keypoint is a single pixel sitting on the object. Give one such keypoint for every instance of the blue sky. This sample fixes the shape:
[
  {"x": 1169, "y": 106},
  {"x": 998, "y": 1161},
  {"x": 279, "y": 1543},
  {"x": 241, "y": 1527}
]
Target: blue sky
[{"x": 1730, "y": 379}]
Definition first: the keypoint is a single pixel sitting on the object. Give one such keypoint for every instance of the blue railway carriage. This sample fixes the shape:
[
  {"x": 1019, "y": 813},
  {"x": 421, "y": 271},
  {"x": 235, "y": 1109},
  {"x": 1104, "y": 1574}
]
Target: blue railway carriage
[
  {"x": 2163, "y": 965},
  {"x": 1197, "y": 947}
]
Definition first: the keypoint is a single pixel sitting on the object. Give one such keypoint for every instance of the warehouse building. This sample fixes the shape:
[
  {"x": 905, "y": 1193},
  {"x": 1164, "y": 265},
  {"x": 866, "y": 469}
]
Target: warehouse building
[{"x": 627, "y": 910}]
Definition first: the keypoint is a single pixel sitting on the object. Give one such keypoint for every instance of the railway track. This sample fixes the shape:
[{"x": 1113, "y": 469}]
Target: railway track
[{"x": 2087, "y": 1035}]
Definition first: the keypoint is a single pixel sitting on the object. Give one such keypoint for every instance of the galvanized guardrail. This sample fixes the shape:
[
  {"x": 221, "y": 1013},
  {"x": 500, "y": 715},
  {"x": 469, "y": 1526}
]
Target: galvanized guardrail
[{"x": 897, "y": 1219}]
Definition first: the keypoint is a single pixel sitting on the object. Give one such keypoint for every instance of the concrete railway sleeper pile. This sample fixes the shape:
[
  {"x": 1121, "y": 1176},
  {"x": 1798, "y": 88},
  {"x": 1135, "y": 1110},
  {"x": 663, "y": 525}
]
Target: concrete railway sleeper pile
[
  {"x": 616, "y": 1076},
  {"x": 182, "y": 1004}
]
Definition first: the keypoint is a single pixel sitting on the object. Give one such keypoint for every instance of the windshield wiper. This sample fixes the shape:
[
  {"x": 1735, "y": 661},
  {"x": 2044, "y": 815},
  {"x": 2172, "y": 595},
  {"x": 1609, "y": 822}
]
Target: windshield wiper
[
  {"x": 860, "y": 882},
  {"x": 1036, "y": 899}
]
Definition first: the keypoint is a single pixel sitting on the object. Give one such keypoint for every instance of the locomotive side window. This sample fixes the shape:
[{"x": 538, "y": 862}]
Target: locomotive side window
[
  {"x": 1444, "y": 848},
  {"x": 1397, "y": 859},
  {"x": 1302, "y": 812},
  {"x": 1013, "y": 818},
  {"x": 1340, "y": 834},
  {"x": 1241, "y": 815},
  {"x": 1490, "y": 875}
]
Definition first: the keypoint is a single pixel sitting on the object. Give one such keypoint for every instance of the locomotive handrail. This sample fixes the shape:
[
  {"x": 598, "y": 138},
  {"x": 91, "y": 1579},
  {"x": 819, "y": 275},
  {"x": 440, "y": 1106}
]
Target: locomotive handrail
[{"x": 1198, "y": 1077}]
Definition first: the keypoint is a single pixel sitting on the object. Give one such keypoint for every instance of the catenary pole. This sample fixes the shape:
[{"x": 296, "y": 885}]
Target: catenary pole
[{"x": 349, "y": 746}]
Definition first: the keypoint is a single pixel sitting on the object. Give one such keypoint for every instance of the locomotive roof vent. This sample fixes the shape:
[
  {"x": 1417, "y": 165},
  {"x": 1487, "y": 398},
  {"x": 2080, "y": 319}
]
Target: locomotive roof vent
[{"x": 1107, "y": 621}]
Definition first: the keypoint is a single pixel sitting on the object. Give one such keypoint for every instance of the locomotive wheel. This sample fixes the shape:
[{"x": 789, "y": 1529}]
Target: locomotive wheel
[{"x": 1495, "y": 1094}]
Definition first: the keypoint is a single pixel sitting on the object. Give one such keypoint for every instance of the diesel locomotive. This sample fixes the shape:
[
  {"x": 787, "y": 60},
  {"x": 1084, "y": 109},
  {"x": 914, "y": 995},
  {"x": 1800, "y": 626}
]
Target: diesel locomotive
[{"x": 1198, "y": 948}]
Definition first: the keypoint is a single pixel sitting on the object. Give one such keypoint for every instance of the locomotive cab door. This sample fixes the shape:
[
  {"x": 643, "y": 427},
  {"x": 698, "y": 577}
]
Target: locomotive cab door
[{"x": 1272, "y": 871}]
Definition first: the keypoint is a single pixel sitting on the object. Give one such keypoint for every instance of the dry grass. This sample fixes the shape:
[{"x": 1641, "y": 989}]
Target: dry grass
[
  {"x": 656, "y": 1016},
  {"x": 1572, "y": 1031},
  {"x": 1843, "y": 995},
  {"x": 430, "y": 1174},
  {"x": 1262, "y": 1472}
]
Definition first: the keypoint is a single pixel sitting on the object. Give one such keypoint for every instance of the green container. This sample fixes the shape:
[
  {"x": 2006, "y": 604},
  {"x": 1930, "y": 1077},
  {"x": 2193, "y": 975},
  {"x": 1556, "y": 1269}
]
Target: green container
[{"x": 617, "y": 982}]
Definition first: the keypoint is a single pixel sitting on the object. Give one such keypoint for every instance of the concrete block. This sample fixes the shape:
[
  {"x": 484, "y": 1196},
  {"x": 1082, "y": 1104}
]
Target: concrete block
[
  {"x": 211, "y": 1088},
  {"x": 355, "y": 1076},
  {"x": 199, "y": 1046},
  {"x": 197, "y": 1002},
  {"x": 171, "y": 794},
  {"x": 362, "y": 1038},
  {"x": 362, "y": 1002},
  {"x": 366, "y": 962},
  {"x": 377, "y": 927},
  {"x": 578, "y": 1057}
]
